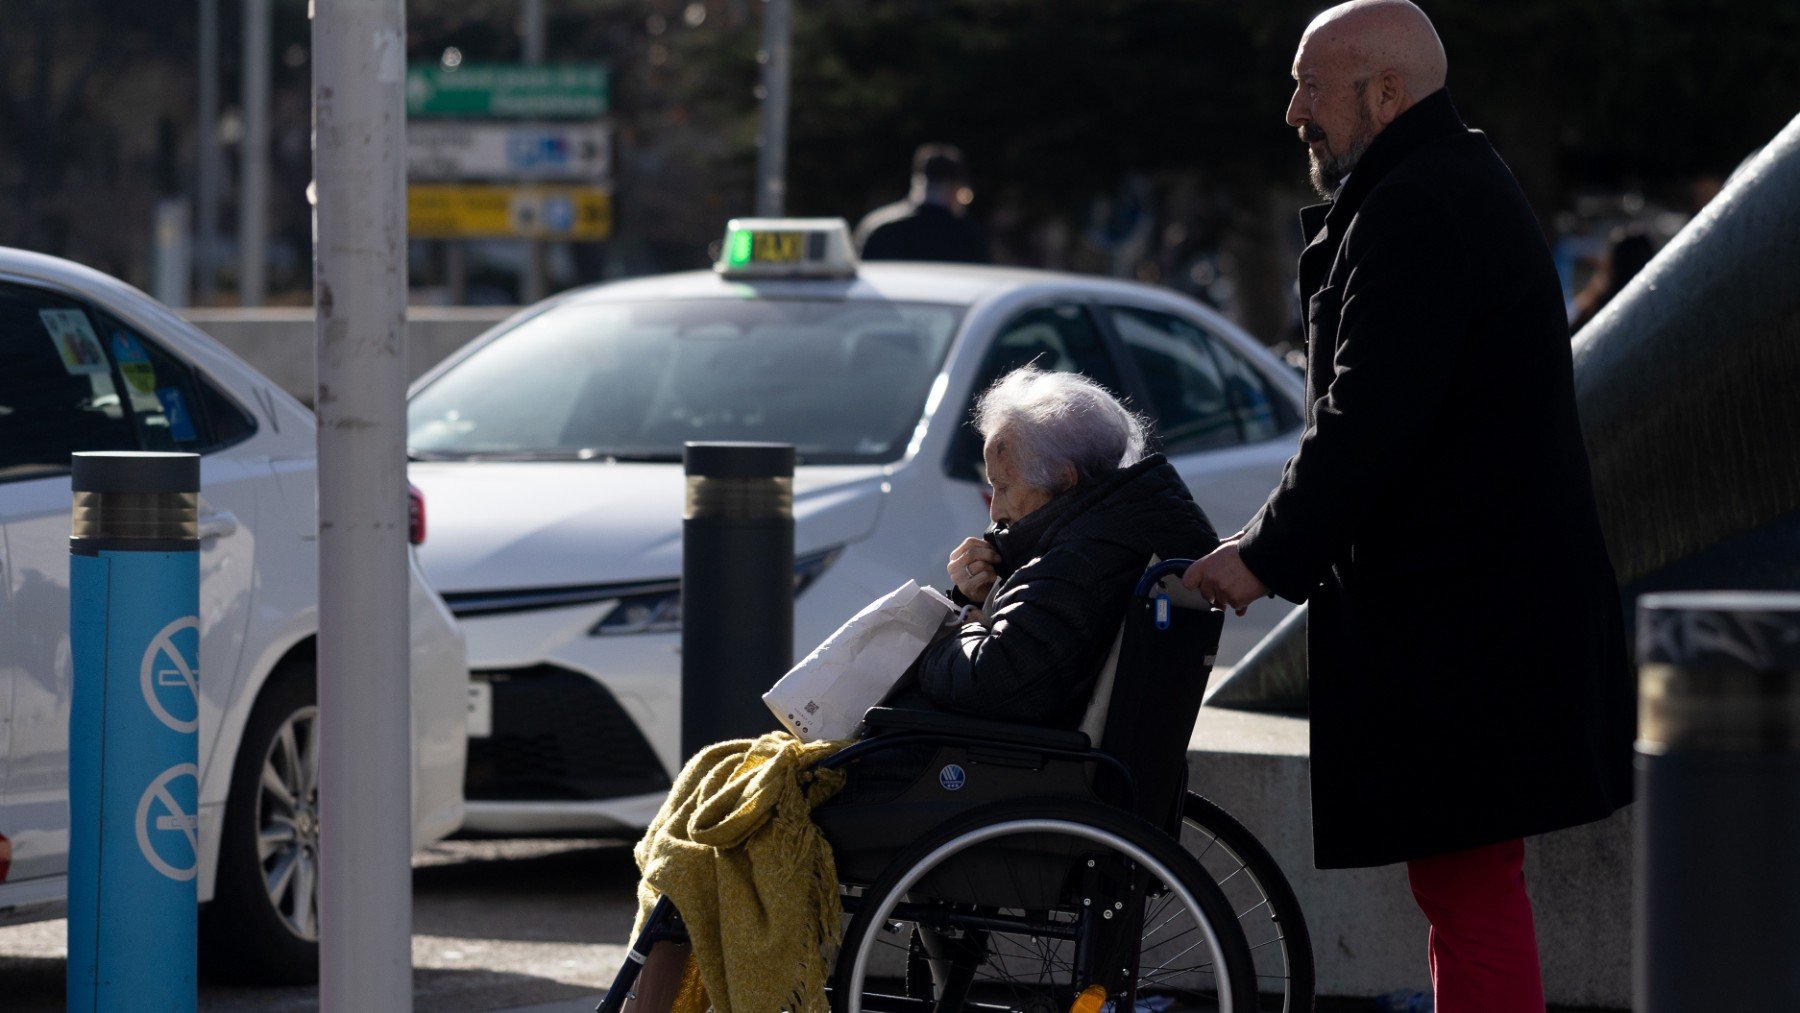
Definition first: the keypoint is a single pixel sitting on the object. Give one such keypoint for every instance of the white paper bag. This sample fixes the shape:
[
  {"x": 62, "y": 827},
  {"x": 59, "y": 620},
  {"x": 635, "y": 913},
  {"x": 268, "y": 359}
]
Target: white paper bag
[{"x": 825, "y": 695}]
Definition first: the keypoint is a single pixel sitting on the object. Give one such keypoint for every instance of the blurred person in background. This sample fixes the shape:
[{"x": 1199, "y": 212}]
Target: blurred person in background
[
  {"x": 1627, "y": 251},
  {"x": 1465, "y": 644},
  {"x": 932, "y": 222}
]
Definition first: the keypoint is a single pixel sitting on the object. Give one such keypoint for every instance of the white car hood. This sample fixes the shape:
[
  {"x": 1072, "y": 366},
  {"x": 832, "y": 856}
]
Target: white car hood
[{"x": 493, "y": 526}]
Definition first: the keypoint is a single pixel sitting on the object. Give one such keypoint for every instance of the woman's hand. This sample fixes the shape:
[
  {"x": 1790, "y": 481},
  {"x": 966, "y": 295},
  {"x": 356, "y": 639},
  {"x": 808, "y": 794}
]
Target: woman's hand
[{"x": 971, "y": 568}]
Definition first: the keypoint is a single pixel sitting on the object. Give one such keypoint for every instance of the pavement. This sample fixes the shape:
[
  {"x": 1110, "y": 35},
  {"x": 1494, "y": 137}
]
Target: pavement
[
  {"x": 498, "y": 925},
  {"x": 509, "y": 926}
]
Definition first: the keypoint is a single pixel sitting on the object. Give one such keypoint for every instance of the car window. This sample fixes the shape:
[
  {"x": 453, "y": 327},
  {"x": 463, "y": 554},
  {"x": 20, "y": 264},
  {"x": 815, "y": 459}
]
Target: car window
[
  {"x": 1202, "y": 392},
  {"x": 228, "y": 422},
  {"x": 174, "y": 408},
  {"x": 76, "y": 378},
  {"x": 844, "y": 381},
  {"x": 59, "y": 392},
  {"x": 1059, "y": 338}
]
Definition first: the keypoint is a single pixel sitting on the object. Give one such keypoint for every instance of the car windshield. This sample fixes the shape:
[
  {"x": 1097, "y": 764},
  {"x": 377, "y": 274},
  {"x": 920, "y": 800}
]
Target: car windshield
[{"x": 844, "y": 381}]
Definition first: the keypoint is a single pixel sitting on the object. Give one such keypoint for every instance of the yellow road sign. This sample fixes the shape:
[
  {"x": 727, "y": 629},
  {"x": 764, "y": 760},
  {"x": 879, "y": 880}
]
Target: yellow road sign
[{"x": 473, "y": 211}]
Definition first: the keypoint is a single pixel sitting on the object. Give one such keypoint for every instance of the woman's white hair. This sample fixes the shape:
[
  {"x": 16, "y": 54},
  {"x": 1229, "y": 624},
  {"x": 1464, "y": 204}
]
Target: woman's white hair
[{"x": 1046, "y": 420}]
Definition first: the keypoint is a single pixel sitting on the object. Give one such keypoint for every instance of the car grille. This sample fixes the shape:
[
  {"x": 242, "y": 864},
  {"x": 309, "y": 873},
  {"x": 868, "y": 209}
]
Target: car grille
[
  {"x": 558, "y": 735},
  {"x": 464, "y": 604}
]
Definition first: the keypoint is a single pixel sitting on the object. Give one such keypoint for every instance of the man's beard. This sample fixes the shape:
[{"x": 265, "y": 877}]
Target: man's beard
[{"x": 1327, "y": 170}]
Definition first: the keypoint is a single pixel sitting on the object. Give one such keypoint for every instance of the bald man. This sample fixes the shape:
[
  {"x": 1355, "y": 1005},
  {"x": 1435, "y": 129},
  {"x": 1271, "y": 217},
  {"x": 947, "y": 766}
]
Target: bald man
[{"x": 1465, "y": 644}]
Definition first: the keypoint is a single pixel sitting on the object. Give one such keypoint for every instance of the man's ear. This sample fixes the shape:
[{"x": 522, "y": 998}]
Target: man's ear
[
  {"x": 1390, "y": 96},
  {"x": 1069, "y": 476}
]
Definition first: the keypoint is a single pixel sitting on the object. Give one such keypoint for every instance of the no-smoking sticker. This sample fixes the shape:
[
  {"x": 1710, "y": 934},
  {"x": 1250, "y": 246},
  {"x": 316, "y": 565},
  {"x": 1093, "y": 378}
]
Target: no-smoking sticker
[
  {"x": 168, "y": 833},
  {"x": 170, "y": 675}
]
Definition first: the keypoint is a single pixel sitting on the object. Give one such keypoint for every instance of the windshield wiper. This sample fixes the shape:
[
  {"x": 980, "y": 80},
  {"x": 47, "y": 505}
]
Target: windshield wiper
[
  {"x": 489, "y": 455},
  {"x": 585, "y": 454}
]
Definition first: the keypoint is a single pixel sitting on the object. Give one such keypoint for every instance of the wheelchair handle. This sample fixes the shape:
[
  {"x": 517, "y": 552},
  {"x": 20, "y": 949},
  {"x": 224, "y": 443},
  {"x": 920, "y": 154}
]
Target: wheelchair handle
[{"x": 1158, "y": 572}]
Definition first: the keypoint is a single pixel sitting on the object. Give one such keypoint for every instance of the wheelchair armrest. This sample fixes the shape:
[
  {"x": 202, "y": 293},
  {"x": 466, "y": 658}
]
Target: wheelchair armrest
[{"x": 886, "y": 719}]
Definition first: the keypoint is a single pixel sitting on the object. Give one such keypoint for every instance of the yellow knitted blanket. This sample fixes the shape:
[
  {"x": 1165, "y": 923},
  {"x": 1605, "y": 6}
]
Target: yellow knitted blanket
[{"x": 735, "y": 848}]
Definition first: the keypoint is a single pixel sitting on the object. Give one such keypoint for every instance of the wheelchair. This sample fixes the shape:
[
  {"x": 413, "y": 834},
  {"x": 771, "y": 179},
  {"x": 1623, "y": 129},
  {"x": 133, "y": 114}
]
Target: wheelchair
[{"x": 990, "y": 866}]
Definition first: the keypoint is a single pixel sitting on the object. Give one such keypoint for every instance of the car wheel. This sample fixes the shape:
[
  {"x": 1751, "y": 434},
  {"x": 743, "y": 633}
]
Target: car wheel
[{"x": 263, "y": 922}]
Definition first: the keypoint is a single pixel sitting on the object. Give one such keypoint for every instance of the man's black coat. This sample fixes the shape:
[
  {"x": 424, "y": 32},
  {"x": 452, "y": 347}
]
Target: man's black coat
[
  {"x": 906, "y": 230},
  {"x": 1465, "y": 644}
]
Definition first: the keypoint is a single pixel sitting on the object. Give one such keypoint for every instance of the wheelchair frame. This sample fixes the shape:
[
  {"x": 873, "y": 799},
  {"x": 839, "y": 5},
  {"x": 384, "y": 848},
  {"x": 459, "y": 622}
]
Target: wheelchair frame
[{"x": 1132, "y": 865}]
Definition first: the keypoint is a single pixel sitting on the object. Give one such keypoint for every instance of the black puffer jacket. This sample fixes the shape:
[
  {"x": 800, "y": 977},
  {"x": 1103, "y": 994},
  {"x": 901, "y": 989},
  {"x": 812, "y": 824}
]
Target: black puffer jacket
[{"x": 1066, "y": 572}]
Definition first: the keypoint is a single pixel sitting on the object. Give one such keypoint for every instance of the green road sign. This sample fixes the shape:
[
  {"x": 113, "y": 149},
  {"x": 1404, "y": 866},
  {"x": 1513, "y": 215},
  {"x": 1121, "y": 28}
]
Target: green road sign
[{"x": 508, "y": 91}]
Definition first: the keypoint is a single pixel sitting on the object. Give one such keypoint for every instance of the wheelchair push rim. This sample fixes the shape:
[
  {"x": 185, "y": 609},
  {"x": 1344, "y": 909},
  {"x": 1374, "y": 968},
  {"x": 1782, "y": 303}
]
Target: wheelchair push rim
[
  {"x": 1178, "y": 931},
  {"x": 1267, "y": 909}
]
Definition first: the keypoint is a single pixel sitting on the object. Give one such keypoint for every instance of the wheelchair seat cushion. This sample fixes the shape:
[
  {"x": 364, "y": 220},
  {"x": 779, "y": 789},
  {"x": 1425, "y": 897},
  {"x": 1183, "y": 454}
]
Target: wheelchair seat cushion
[
  {"x": 894, "y": 719},
  {"x": 894, "y": 794}
]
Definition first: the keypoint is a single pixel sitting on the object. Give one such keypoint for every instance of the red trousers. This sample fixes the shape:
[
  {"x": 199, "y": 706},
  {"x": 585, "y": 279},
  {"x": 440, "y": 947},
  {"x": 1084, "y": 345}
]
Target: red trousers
[{"x": 1484, "y": 956}]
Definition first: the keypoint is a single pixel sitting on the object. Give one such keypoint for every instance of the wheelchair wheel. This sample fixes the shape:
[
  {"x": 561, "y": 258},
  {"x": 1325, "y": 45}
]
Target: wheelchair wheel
[
  {"x": 1043, "y": 906},
  {"x": 1268, "y": 912}
]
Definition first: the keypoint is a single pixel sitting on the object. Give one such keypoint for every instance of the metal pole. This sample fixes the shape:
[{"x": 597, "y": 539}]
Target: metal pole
[
  {"x": 532, "y": 286},
  {"x": 531, "y": 31},
  {"x": 456, "y": 271},
  {"x": 134, "y": 779},
  {"x": 359, "y": 163},
  {"x": 253, "y": 185},
  {"x": 771, "y": 152},
  {"x": 1718, "y": 814},
  {"x": 206, "y": 143},
  {"x": 171, "y": 252},
  {"x": 737, "y": 587}
]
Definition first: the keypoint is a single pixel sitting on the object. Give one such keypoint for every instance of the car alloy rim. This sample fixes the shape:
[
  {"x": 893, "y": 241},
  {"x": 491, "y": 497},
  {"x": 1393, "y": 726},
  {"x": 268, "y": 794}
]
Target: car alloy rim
[{"x": 287, "y": 823}]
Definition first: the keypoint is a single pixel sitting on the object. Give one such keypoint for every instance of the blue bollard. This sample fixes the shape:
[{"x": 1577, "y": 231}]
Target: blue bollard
[{"x": 134, "y": 784}]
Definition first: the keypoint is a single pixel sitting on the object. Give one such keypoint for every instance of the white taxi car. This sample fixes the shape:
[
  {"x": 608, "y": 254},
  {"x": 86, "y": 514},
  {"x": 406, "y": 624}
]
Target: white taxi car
[
  {"x": 550, "y": 449},
  {"x": 89, "y": 363}
]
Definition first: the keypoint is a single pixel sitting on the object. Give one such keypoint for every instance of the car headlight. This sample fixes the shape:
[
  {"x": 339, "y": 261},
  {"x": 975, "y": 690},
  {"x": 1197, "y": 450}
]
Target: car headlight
[
  {"x": 811, "y": 567},
  {"x": 657, "y": 608}
]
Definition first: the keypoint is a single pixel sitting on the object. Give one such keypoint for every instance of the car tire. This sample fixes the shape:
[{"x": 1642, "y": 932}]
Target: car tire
[{"x": 262, "y": 924}]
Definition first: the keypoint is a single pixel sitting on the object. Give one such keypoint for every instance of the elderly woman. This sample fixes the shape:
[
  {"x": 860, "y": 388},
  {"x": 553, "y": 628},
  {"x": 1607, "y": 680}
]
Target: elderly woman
[{"x": 1077, "y": 512}]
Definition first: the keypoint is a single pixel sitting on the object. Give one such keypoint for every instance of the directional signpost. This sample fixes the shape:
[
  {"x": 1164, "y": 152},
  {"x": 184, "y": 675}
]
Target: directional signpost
[
  {"x": 460, "y": 150},
  {"x": 484, "y": 139},
  {"x": 488, "y": 211},
  {"x": 563, "y": 91}
]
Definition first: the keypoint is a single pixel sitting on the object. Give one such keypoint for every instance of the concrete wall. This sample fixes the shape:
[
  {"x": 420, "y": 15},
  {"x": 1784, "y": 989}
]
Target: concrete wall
[
  {"x": 1368, "y": 936},
  {"x": 280, "y": 341}
]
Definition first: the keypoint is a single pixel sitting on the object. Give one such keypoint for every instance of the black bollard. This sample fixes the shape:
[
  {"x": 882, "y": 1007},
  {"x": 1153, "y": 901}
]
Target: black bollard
[
  {"x": 1718, "y": 815},
  {"x": 737, "y": 588}
]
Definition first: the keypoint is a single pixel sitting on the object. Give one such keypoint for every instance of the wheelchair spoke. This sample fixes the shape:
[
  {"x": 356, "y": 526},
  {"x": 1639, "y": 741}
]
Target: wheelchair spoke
[
  {"x": 1038, "y": 901},
  {"x": 1254, "y": 885},
  {"x": 1252, "y": 909}
]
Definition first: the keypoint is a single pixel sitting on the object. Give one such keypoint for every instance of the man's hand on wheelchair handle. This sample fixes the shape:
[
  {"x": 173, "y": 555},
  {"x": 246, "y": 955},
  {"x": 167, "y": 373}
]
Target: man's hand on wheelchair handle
[{"x": 1222, "y": 578}]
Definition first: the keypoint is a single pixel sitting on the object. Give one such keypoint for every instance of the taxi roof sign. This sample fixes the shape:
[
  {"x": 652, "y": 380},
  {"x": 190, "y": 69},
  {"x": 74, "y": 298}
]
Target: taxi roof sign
[{"x": 787, "y": 248}]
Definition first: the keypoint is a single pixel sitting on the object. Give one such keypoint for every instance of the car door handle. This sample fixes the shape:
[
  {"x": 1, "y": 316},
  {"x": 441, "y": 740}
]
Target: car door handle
[{"x": 217, "y": 524}]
